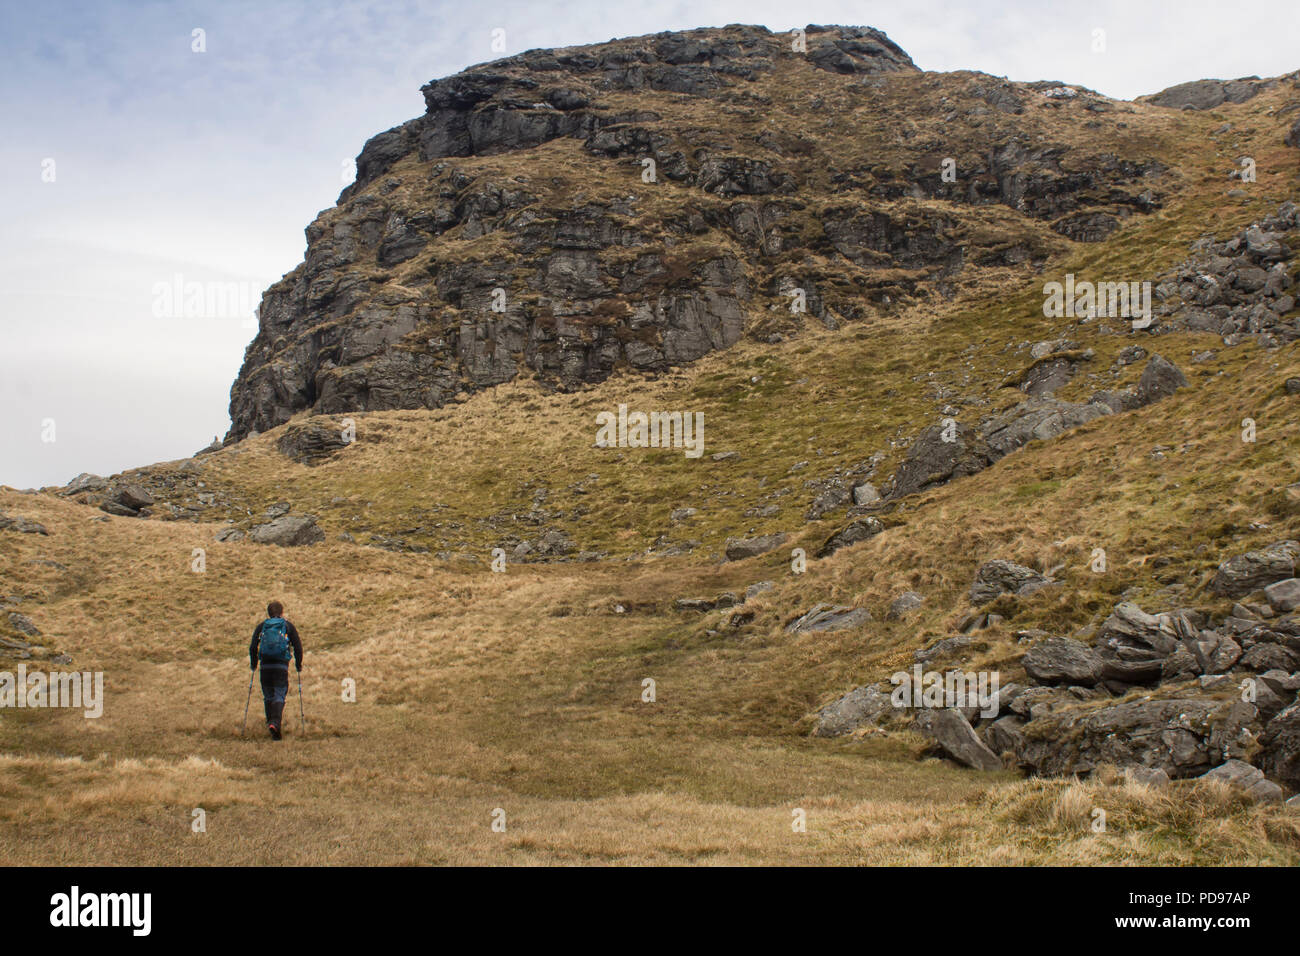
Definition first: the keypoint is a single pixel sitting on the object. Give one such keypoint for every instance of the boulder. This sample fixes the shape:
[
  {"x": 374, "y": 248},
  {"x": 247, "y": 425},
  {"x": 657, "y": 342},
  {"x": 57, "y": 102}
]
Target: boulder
[
  {"x": 700, "y": 605},
  {"x": 834, "y": 497},
  {"x": 23, "y": 624},
  {"x": 1285, "y": 685},
  {"x": 1292, "y": 137},
  {"x": 85, "y": 482},
  {"x": 288, "y": 531},
  {"x": 1266, "y": 656},
  {"x": 953, "y": 735},
  {"x": 860, "y": 707},
  {"x": 1038, "y": 702},
  {"x": 1283, "y": 595},
  {"x": 554, "y": 543},
  {"x": 1244, "y": 777},
  {"x": 1004, "y": 577},
  {"x": 1240, "y": 575},
  {"x": 903, "y": 605},
  {"x": 829, "y": 617},
  {"x": 1182, "y": 736},
  {"x": 1279, "y": 747},
  {"x": 1265, "y": 246},
  {"x": 1160, "y": 379},
  {"x": 737, "y": 549},
  {"x": 22, "y": 525},
  {"x": 942, "y": 648},
  {"x": 1062, "y": 660},
  {"x": 1207, "y": 94},
  {"x": 858, "y": 530},
  {"x": 133, "y": 497},
  {"x": 311, "y": 443},
  {"x": 1005, "y": 735},
  {"x": 1147, "y": 776},
  {"x": 1036, "y": 419},
  {"x": 1130, "y": 634},
  {"x": 932, "y": 460},
  {"x": 867, "y": 494}
]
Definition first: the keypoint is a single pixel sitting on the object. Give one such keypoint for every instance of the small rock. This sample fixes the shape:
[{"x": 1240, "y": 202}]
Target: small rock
[
  {"x": 311, "y": 443},
  {"x": 1063, "y": 660},
  {"x": 858, "y": 530},
  {"x": 859, "y": 707},
  {"x": 1243, "y": 776},
  {"x": 737, "y": 549},
  {"x": 133, "y": 497},
  {"x": 954, "y": 735},
  {"x": 1253, "y": 570},
  {"x": 1147, "y": 776},
  {"x": 1160, "y": 379},
  {"x": 288, "y": 531},
  {"x": 1283, "y": 595},
  {"x": 941, "y": 648},
  {"x": 23, "y": 624},
  {"x": 867, "y": 493},
  {"x": 827, "y": 617},
  {"x": 903, "y": 605},
  {"x": 22, "y": 525},
  {"x": 1004, "y": 577}
]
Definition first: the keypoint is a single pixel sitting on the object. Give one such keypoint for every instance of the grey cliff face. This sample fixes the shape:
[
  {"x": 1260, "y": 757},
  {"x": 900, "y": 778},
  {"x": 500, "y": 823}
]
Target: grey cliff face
[{"x": 510, "y": 230}]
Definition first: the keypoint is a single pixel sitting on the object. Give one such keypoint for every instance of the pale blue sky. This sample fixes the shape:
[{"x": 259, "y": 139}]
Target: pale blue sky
[{"x": 209, "y": 165}]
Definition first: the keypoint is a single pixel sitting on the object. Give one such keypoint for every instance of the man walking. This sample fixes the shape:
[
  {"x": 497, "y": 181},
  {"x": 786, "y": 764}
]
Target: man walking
[{"x": 274, "y": 640}]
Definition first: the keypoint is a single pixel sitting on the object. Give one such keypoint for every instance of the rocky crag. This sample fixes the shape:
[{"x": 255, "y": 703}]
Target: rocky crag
[{"x": 635, "y": 205}]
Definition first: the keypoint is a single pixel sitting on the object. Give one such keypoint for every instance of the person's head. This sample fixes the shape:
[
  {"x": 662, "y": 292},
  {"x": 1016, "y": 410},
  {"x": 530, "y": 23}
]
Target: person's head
[{"x": 275, "y": 609}]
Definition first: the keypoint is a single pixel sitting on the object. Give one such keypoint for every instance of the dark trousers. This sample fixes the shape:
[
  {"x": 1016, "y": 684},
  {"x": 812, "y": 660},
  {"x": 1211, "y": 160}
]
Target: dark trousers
[{"x": 275, "y": 686}]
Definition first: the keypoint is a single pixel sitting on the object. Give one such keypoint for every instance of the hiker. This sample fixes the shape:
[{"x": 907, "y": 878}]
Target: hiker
[{"x": 272, "y": 641}]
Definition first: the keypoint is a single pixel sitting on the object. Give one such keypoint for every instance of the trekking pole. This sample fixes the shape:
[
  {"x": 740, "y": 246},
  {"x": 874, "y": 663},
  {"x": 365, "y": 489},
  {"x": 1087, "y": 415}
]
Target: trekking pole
[
  {"x": 244, "y": 725},
  {"x": 301, "y": 715}
]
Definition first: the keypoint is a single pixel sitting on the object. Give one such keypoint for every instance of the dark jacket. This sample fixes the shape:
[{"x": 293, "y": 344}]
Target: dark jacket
[{"x": 293, "y": 639}]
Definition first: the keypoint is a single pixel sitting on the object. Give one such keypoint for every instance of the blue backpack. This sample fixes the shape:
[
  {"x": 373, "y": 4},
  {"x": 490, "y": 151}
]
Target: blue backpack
[{"x": 275, "y": 641}]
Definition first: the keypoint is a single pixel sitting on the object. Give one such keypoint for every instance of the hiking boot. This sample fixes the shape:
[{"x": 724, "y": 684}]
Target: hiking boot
[{"x": 275, "y": 731}]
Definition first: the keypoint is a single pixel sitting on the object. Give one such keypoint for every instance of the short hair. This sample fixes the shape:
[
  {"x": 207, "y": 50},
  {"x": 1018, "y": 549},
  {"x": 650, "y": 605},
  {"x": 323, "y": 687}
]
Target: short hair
[{"x": 275, "y": 609}]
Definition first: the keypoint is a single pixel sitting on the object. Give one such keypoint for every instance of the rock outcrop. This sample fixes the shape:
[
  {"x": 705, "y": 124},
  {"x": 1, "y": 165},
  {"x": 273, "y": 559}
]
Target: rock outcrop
[
  {"x": 1178, "y": 694},
  {"x": 1207, "y": 94},
  {"x": 288, "y": 531},
  {"x": 1238, "y": 288},
  {"x": 611, "y": 232}
]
